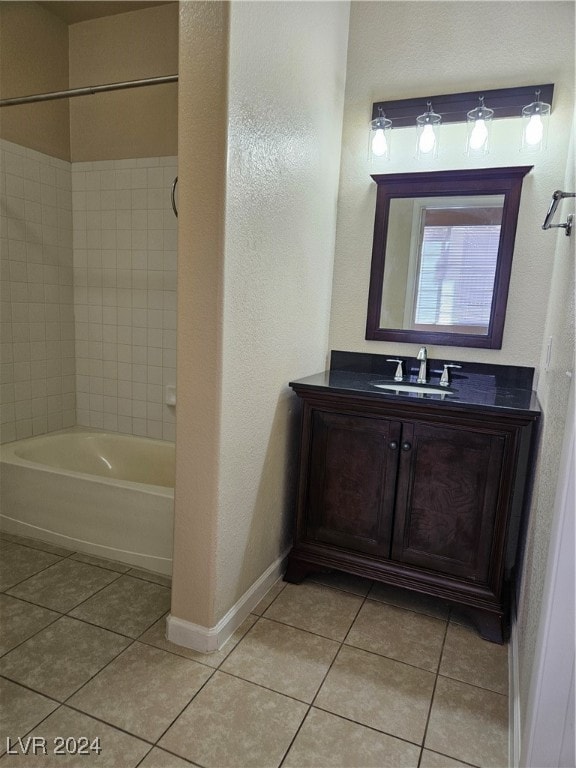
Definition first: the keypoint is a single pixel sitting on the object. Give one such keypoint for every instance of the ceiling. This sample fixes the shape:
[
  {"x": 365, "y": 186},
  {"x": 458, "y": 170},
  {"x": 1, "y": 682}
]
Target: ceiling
[{"x": 72, "y": 11}]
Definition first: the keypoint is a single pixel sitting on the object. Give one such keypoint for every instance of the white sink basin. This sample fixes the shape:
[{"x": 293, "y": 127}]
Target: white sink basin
[{"x": 417, "y": 388}]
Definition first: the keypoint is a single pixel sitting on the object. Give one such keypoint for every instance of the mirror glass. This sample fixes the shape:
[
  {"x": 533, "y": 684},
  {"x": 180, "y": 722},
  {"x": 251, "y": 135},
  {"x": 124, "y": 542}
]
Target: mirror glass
[{"x": 442, "y": 255}]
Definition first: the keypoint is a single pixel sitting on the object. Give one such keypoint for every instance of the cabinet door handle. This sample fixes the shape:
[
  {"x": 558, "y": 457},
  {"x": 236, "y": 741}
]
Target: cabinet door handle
[
  {"x": 393, "y": 445},
  {"x": 406, "y": 446}
]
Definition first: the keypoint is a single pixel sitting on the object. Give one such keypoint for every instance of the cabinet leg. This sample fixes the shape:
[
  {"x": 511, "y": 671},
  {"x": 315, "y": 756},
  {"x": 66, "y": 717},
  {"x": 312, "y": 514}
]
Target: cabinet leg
[
  {"x": 297, "y": 570},
  {"x": 491, "y": 626}
]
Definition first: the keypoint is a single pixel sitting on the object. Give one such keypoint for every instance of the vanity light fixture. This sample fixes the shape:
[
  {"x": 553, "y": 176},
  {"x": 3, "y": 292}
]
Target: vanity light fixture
[
  {"x": 535, "y": 125},
  {"x": 427, "y": 133},
  {"x": 379, "y": 137},
  {"x": 459, "y": 108},
  {"x": 479, "y": 124}
]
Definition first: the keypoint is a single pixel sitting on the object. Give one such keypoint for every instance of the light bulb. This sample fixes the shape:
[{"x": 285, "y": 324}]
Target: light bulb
[
  {"x": 479, "y": 135},
  {"x": 427, "y": 140},
  {"x": 534, "y": 131},
  {"x": 379, "y": 143}
]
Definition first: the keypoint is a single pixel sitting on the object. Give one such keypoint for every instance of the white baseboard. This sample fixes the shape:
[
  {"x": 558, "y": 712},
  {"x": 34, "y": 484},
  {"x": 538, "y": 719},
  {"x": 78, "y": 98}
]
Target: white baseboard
[
  {"x": 514, "y": 714},
  {"x": 208, "y": 639}
]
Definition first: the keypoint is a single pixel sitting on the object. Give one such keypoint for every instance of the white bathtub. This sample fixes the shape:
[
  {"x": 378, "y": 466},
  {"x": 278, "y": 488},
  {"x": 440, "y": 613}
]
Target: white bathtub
[{"x": 100, "y": 493}]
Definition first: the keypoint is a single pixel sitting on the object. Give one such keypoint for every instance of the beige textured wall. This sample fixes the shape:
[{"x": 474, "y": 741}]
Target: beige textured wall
[
  {"x": 255, "y": 314},
  {"x": 553, "y": 391},
  {"x": 34, "y": 59},
  {"x": 202, "y": 189},
  {"x": 517, "y": 48},
  {"x": 286, "y": 93},
  {"x": 139, "y": 122}
]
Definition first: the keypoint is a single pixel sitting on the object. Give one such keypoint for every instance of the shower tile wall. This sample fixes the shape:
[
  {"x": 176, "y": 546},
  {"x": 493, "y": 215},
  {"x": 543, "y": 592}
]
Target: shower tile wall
[
  {"x": 125, "y": 244},
  {"x": 37, "y": 366}
]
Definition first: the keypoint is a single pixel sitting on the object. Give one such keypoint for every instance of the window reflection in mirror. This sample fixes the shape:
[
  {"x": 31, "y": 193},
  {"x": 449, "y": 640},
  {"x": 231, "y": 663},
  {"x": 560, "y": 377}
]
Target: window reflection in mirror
[
  {"x": 447, "y": 281},
  {"x": 442, "y": 256}
]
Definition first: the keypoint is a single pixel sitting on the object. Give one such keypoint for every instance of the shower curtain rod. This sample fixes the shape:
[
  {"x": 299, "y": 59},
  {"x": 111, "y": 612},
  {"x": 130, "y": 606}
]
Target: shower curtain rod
[{"x": 88, "y": 90}]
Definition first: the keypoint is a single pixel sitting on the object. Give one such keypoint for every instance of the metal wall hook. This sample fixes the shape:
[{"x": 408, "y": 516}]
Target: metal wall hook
[
  {"x": 173, "y": 197},
  {"x": 567, "y": 225}
]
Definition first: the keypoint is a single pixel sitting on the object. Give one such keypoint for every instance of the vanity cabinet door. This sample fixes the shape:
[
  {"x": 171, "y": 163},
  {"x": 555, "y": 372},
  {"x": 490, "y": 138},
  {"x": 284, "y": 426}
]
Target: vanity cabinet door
[
  {"x": 352, "y": 469},
  {"x": 447, "y": 499}
]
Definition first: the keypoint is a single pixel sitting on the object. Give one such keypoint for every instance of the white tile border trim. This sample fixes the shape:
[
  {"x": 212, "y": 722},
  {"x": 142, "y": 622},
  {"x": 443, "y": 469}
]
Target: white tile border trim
[{"x": 208, "y": 639}]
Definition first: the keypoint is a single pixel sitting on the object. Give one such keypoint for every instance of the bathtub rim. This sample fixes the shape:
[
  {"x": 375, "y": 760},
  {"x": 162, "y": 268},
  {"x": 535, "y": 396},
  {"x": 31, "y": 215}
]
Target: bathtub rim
[{"x": 8, "y": 456}]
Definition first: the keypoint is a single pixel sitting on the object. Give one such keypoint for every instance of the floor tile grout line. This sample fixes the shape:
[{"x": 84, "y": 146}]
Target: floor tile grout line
[
  {"x": 390, "y": 658},
  {"x": 285, "y": 755},
  {"x": 139, "y": 763},
  {"x": 349, "y": 645},
  {"x": 181, "y": 712},
  {"x": 333, "y": 660},
  {"x": 108, "y": 724},
  {"x": 340, "y": 589},
  {"x": 70, "y": 556},
  {"x": 85, "y": 600},
  {"x": 77, "y": 605},
  {"x": 273, "y": 601},
  {"x": 474, "y": 685},
  {"x": 107, "y": 629},
  {"x": 5, "y": 676},
  {"x": 86, "y": 621},
  {"x": 379, "y": 601},
  {"x": 169, "y": 751},
  {"x": 300, "y": 629},
  {"x": 31, "y": 636},
  {"x": 28, "y": 601},
  {"x": 37, "y": 548},
  {"x": 43, "y": 720},
  {"x": 89, "y": 680},
  {"x": 264, "y": 687},
  {"x": 406, "y": 608},
  {"x": 354, "y": 620},
  {"x": 425, "y": 734},
  {"x": 435, "y": 751},
  {"x": 31, "y": 575},
  {"x": 369, "y": 727}
]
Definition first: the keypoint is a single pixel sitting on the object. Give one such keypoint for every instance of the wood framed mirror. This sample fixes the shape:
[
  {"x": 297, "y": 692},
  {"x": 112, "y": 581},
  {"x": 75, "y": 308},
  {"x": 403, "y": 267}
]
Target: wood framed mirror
[{"x": 442, "y": 256}]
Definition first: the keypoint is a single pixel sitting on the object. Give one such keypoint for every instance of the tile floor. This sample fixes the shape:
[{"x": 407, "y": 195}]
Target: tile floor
[{"x": 337, "y": 671}]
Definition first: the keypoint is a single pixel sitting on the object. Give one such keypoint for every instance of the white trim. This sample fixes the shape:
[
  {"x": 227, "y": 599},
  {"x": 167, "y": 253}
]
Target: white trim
[
  {"x": 208, "y": 639},
  {"x": 514, "y": 712}
]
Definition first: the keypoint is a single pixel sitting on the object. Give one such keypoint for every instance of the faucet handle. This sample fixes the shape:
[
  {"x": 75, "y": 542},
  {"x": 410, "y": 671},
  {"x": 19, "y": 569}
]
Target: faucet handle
[
  {"x": 445, "y": 378},
  {"x": 399, "y": 375}
]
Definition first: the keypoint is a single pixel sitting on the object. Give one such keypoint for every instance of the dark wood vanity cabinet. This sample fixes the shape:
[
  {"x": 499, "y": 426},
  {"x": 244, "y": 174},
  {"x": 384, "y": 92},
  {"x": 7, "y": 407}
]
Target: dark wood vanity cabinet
[{"x": 424, "y": 497}]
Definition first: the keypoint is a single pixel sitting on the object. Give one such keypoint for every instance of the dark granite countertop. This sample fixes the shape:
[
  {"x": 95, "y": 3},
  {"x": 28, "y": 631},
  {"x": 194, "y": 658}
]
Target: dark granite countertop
[{"x": 475, "y": 385}]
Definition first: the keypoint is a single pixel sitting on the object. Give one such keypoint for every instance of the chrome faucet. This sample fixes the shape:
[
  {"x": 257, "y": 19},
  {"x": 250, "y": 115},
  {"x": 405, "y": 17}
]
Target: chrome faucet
[{"x": 423, "y": 357}]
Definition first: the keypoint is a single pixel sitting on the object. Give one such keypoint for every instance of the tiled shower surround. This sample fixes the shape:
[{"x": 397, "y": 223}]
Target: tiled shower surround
[
  {"x": 125, "y": 244},
  {"x": 88, "y": 294},
  {"x": 37, "y": 319}
]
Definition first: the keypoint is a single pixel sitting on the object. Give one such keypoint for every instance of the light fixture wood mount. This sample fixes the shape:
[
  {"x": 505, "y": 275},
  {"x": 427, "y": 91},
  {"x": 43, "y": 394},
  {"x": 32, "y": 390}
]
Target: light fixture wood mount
[{"x": 506, "y": 102}]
